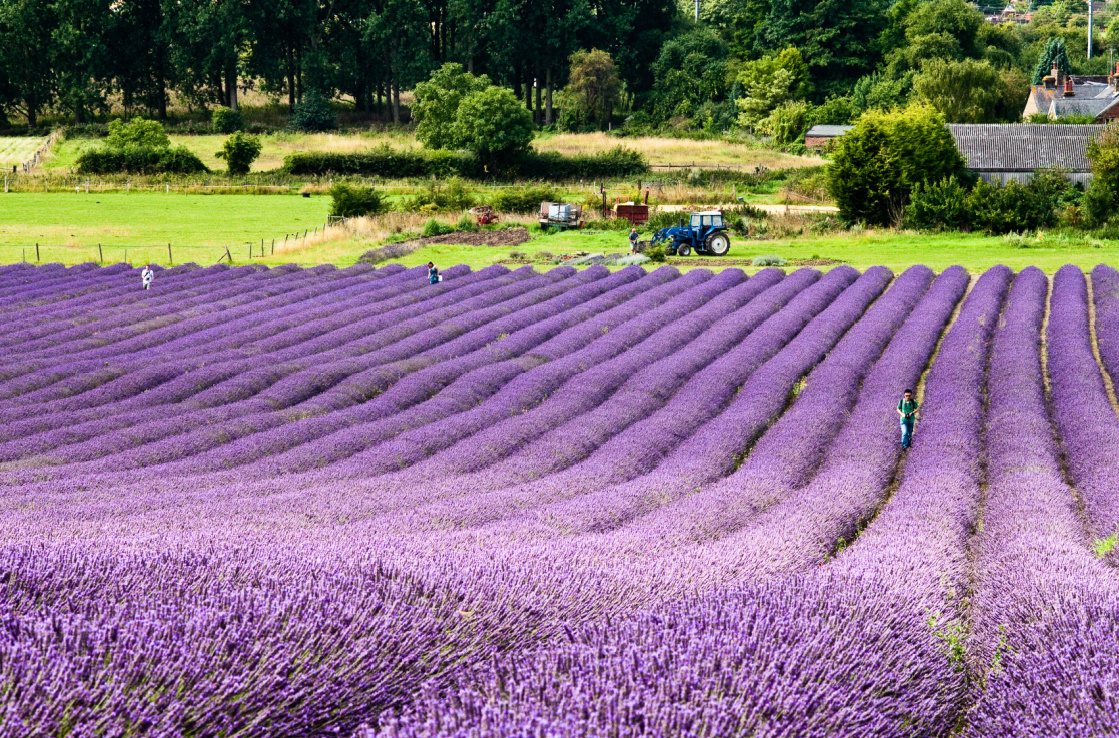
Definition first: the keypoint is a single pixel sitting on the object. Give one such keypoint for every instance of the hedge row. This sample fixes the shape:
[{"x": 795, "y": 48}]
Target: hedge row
[
  {"x": 401, "y": 164},
  {"x": 140, "y": 160}
]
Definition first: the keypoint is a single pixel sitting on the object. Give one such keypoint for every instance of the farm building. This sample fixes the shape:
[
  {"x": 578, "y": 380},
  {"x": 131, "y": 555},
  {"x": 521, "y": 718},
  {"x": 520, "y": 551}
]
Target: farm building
[
  {"x": 1005, "y": 152},
  {"x": 820, "y": 136}
]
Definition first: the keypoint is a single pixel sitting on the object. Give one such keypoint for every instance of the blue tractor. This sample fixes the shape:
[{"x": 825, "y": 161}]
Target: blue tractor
[{"x": 705, "y": 234}]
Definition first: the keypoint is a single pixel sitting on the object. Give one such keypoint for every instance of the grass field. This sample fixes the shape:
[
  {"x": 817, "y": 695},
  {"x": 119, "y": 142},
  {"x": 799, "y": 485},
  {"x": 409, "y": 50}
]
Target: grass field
[
  {"x": 68, "y": 227},
  {"x": 278, "y": 145},
  {"x": 17, "y": 149}
]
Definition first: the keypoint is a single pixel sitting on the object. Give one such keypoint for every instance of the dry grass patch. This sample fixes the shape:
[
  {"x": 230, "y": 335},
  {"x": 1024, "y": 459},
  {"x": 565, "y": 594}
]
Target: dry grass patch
[{"x": 661, "y": 150}]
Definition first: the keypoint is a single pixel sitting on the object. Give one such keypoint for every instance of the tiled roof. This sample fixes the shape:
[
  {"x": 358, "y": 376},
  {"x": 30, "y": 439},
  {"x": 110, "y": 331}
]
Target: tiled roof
[
  {"x": 827, "y": 131},
  {"x": 1079, "y": 106},
  {"x": 1023, "y": 147}
]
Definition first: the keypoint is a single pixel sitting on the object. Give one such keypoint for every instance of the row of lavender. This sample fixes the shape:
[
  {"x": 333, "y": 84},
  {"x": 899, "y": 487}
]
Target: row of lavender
[{"x": 643, "y": 585}]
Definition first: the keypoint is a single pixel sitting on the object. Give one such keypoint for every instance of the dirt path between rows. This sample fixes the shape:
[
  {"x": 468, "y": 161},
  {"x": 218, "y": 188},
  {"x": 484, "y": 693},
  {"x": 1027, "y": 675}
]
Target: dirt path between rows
[{"x": 1108, "y": 384}]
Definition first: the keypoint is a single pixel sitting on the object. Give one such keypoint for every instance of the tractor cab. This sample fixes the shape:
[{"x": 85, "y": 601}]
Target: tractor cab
[{"x": 705, "y": 223}]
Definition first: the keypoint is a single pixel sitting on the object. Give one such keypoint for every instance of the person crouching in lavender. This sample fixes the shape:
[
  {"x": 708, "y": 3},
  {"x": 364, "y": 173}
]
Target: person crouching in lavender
[{"x": 907, "y": 413}]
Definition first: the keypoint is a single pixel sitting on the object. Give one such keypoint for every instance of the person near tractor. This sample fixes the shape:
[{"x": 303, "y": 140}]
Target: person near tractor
[
  {"x": 146, "y": 277},
  {"x": 433, "y": 273},
  {"x": 633, "y": 240},
  {"x": 907, "y": 413}
]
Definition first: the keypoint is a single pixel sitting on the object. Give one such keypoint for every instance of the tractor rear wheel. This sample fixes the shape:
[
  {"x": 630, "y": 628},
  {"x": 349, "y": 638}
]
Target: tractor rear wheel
[
  {"x": 683, "y": 250},
  {"x": 718, "y": 243}
]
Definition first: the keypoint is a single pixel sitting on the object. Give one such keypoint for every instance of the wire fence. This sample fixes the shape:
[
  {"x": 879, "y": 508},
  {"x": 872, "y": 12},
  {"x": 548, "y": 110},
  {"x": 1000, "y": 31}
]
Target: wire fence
[{"x": 242, "y": 252}]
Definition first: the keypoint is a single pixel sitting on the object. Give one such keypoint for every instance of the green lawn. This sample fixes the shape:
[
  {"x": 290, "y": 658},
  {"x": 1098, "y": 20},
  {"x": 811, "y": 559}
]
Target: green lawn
[
  {"x": 976, "y": 252},
  {"x": 68, "y": 226}
]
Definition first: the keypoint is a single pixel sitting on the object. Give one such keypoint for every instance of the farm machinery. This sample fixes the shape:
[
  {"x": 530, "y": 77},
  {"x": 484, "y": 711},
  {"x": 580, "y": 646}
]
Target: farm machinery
[
  {"x": 706, "y": 233},
  {"x": 560, "y": 216},
  {"x": 483, "y": 215}
]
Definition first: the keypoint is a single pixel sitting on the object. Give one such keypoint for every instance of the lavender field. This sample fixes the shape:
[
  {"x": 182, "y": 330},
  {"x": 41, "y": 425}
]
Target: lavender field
[{"x": 345, "y": 502}]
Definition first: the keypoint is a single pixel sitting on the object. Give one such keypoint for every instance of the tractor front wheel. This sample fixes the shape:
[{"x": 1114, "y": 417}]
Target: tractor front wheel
[
  {"x": 718, "y": 244},
  {"x": 683, "y": 250}
]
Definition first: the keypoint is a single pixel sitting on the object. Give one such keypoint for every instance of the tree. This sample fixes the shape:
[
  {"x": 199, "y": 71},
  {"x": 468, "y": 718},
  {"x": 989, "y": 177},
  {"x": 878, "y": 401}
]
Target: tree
[
  {"x": 1053, "y": 53},
  {"x": 240, "y": 150},
  {"x": 878, "y": 163},
  {"x": 968, "y": 91},
  {"x": 26, "y": 74},
  {"x": 594, "y": 86},
  {"x": 437, "y": 102},
  {"x": 1101, "y": 201},
  {"x": 838, "y": 39},
  {"x": 148, "y": 134},
  {"x": 770, "y": 82},
  {"x": 691, "y": 70},
  {"x": 494, "y": 125}
]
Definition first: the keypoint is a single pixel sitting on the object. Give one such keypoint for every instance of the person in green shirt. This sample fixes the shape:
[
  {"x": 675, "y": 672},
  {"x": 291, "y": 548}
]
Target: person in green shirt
[{"x": 907, "y": 412}]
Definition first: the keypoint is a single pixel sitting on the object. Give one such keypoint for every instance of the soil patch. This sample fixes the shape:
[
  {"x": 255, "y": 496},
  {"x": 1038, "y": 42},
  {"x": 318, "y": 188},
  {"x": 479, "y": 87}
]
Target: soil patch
[
  {"x": 815, "y": 262},
  {"x": 501, "y": 237}
]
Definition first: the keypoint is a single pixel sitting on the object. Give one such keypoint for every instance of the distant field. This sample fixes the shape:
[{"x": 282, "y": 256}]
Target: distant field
[
  {"x": 17, "y": 149},
  {"x": 275, "y": 146},
  {"x": 278, "y": 145},
  {"x": 68, "y": 227},
  {"x": 674, "y": 150}
]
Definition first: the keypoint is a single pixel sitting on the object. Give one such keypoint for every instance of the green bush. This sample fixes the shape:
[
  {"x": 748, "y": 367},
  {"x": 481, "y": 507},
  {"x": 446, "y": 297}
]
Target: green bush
[
  {"x": 148, "y": 134},
  {"x": 942, "y": 204},
  {"x": 314, "y": 113},
  {"x": 522, "y": 199},
  {"x": 550, "y": 165},
  {"x": 655, "y": 252},
  {"x": 664, "y": 219},
  {"x": 879, "y": 162},
  {"x": 467, "y": 223},
  {"x": 227, "y": 120},
  {"x": 769, "y": 261},
  {"x": 134, "y": 159},
  {"x": 436, "y": 228},
  {"x": 239, "y": 151},
  {"x": 1014, "y": 207},
  {"x": 351, "y": 201},
  {"x": 400, "y": 164},
  {"x": 382, "y": 161}
]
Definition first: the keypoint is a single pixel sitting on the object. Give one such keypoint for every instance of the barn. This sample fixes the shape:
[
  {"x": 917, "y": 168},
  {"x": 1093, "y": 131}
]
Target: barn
[{"x": 1014, "y": 151}]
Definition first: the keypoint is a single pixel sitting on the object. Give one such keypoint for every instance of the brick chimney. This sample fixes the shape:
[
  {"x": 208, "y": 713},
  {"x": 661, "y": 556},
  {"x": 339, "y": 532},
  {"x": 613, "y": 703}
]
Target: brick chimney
[
  {"x": 1050, "y": 81},
  {"x": 1068, "y": 87}
]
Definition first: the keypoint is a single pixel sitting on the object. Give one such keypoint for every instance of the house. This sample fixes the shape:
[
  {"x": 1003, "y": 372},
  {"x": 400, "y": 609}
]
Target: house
[
  {"x": 819, "y": 137},
  {"x": 1014, "y": 151},
  {"x": 1061, "y": 95}
]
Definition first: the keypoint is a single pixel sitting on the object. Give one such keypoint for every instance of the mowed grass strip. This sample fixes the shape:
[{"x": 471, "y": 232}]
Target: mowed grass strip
[{"x": 18, "y": 149}]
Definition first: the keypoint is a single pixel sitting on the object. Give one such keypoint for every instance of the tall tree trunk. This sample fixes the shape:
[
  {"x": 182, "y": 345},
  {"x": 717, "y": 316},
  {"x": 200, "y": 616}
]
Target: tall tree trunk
[
  {"x": 380, "y": 97},
  {"x": 231, "y": 85},
  {"x": 32, "y": 113},
  {"x": 162, "y": 87},
  {"x": 299, "y": 71},
  {"x": 394, "y": 84},
  {"x": 538, "y": 116},
  {"x": 548, "y": 97},
  {"x": 291, "y": 80},
  {"x": 528, "y": 88}
]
